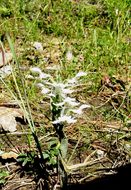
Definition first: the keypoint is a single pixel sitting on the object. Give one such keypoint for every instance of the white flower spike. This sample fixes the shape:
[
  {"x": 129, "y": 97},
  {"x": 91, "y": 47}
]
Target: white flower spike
[{"x": 59, "y": 94}]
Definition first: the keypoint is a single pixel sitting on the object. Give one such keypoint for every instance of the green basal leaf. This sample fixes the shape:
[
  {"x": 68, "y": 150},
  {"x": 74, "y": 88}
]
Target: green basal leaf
[
  {"x": 2, "y": 181},
  {"x": 53, "y": 143},
  {"x": 3, "y": 175},
  {"x": 55, "y": 151},
  {"x": 25, "y": 161},
  {"x": 53, "y": 161},
  {"x": 46, "y": 155},
  {"x": 64, "y": 147}
]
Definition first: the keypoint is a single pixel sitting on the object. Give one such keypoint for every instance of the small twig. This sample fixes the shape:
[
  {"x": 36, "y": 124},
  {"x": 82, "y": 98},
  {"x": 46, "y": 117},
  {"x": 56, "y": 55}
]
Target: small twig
[
  {"x": 46, "y": 136},
  {"x": 5, "y": 166},
  {"x": 116, "y": 93},
  {"x": 17, "y": 133},
  {"x": 56, "y": 186},
  {"x": 3, "y": 53},
  {"x": 74, "y": 150},
  {"x": 75, "y": 167},
  {"x": 88, "y": 157},
  {"x": 10, "y": 105},
  {"x": 13, "y": 183},
  {"x": 125, "y": 136},
  {"x": 89, "y": 175}
]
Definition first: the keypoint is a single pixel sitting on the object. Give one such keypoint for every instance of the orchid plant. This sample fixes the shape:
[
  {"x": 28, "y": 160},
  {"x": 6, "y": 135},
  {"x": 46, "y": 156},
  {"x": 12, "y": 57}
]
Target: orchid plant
[{"x": 64, "y": 108}]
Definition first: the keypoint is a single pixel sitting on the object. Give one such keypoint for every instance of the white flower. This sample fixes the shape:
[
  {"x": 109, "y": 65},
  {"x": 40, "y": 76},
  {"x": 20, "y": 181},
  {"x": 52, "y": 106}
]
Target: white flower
[
  {"x": 67, "y": 91},
  {"x": 80, "y": 74},
  {"x": 69, "y": 56},
  {"x": 45, "y": 91},
  {"x": 48, "y": 83},
  {"x": 100, "y": 153},
  {"x": 63, "y": 119},
  {"x": 44, "y": 75},
  {"x": 62, "y": 88},
  {"x": 38, "y": 46},
  {"x": 41, "y": 74},
  {"x": 59, "y": 85},
  {"x": 72, "y": 81},
  {"x": 71, "y": 101},
  {"x": 29, "y": 77},
  {"x": 117, "y": 11},
  {"x": 54, "y": 67},
  {"x": 40, "y": 85},
  {"x": 59, "y": 104},
  {"x": 83, "y": 106},
  {"x": 80, "y": 109},
  {"x": 36, "y": 70},
  {"x": 51, "y": 95},
  {"x": 5, "y": 71}
]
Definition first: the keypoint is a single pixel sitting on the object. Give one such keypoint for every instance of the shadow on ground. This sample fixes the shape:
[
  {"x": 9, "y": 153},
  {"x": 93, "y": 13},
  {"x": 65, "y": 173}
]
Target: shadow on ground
[{"x": 120, "y": 180}]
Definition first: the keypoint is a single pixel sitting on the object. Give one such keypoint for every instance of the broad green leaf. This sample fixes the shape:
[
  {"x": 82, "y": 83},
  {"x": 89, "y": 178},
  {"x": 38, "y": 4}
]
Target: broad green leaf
[{"x": 64, "y": 147}]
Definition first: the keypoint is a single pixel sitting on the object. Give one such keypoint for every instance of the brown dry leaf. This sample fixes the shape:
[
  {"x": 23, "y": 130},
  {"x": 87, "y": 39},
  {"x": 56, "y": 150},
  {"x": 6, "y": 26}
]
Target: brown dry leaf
[
  {"x": 5, "y": 58},
  {"x": 8, "y": 155},
  {"x": 7, "y": 118}
]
